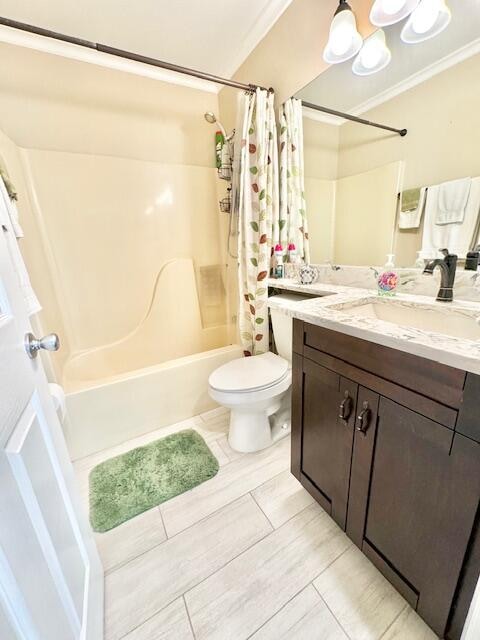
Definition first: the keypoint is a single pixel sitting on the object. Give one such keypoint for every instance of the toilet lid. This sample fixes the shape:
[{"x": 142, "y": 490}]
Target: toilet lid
[{"x": 248, "y": 374}]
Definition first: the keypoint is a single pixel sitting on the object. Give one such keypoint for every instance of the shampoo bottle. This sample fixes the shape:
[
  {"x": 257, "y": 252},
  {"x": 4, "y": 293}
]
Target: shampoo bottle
[
  {"x": 291, "y": 265},
  {"x": 387, "y": 282},
  {"x": 278, "y": 271}
]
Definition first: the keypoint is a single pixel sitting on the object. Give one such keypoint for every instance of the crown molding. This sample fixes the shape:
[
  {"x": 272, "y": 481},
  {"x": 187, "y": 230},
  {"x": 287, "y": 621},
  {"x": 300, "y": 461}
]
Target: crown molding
[
  {"x": 448, "y": 61},
  {"x": 267, "y": 18},
  {"x": 44, "y": 44}
]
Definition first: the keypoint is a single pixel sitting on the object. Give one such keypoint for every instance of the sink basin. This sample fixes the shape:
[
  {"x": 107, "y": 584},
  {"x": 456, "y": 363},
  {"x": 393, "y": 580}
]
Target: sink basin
[{"x": 457, "y": 323}]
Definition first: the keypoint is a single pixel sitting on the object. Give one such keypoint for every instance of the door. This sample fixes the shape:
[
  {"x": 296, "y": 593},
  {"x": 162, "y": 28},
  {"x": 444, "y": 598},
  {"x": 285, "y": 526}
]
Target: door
[
  {"x": 51, "y": 579},
  {"x": 420, "y": 505},
  {"x": 328, "y": 416}
]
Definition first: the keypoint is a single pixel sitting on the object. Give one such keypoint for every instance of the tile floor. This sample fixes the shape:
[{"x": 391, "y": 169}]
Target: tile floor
[{"x": 248, "y": 554}]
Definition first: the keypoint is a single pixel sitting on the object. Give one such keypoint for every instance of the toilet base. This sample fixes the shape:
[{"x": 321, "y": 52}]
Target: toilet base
[{"x": 253, "y": 430}]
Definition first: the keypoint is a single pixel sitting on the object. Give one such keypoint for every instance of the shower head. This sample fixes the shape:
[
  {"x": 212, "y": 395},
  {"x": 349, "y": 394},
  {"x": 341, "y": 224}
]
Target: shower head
[{"x": 211, "y": 118}]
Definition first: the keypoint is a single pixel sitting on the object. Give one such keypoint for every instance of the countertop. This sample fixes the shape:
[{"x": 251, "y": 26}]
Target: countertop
[{"x": 329, "y": 311}]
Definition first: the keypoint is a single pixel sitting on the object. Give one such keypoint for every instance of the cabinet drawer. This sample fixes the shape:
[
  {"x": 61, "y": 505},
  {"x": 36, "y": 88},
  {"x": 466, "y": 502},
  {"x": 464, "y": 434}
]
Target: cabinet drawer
[
  {"x": 436, "y": 381},
  {"x": 427, "y": 407}
]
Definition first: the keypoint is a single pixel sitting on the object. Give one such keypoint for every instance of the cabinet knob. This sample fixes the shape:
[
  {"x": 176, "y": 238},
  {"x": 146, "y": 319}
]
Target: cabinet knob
[
  {"x": 363, "y": 418},
  {"x": 345, "y": 408}
]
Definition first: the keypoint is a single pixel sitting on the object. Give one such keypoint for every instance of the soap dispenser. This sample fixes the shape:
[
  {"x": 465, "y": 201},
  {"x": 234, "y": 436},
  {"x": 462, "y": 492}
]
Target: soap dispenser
[
  {"x": 387, "y": 281},
  {"x": 473, "y": 259}
]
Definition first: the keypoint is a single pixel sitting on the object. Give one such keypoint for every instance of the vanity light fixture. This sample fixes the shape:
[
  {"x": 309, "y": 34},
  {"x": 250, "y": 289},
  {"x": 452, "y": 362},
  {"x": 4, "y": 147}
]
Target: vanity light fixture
[
  {"x": 344, "y": 41},
  {"x": 387, "y": 12},
  {"x": 429, "y": 19},
  {"x": 374, "y": 55}
]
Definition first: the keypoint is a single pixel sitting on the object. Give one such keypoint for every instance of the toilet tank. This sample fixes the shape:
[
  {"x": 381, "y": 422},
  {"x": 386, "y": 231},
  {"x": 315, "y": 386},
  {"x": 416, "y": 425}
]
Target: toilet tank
[{"x": 283, "y": 325}]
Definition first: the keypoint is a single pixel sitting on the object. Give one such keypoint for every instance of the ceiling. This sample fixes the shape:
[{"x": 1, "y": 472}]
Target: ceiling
[
  {"x": 340, "y": 89},
  {"x": 214, "y": 36}
]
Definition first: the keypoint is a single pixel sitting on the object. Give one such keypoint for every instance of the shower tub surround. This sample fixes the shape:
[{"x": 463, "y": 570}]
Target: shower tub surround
[{"x": 334, "y": 310}]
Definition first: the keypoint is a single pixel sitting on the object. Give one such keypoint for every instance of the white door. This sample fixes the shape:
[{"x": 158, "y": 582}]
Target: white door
[{"x": 51, "y": 578}]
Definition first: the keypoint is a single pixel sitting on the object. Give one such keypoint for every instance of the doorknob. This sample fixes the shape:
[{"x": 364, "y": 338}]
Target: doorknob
[{"x": 33, "y": 345}]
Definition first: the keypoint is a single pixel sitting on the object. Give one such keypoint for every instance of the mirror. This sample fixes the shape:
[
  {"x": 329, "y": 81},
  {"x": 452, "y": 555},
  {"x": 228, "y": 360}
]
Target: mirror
[{"x": 355, "y": 173}]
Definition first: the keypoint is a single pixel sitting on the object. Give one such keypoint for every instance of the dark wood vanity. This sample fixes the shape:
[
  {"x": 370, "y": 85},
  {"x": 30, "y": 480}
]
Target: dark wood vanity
[{"x": 388, "y": 444}]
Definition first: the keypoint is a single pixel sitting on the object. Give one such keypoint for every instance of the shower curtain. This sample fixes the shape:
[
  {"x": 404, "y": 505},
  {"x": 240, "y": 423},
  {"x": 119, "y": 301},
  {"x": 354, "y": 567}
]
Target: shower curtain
[
  {"x": 258, "y": 206},
  {"x": 291, "y": 227}
]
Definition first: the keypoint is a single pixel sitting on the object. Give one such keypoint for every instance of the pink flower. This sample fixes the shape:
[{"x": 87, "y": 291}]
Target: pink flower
[{"x": 388, "y": 281}]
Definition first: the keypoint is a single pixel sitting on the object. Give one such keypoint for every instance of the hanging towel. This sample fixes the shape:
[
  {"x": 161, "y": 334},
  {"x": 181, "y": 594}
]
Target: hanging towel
[
  {"x": 12, "y": 192},
  {"x": 13, "y": 214},
  {"x": 452, "y": 201},
  {"x": 410, "y": 199},
  {"x": 12, "y": 230},
  {"x": 411, "y": 208},
  {"x": 457, "y": 238}
]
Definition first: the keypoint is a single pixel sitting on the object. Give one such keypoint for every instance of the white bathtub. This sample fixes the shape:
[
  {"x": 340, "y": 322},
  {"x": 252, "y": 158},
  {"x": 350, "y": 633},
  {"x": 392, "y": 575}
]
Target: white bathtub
[
  {"x": 146, "y": 379},
  {"x": 106, "y": 412}
]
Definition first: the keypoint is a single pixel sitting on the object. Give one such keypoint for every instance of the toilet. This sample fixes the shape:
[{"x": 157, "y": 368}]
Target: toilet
[{"x": 257, "y": 390}]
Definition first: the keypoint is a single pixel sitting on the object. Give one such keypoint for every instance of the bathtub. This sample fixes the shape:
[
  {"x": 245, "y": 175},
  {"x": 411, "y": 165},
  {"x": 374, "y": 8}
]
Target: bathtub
[
  {"x": 106, "y": 412},
  {"x": 148, "y": 378}
]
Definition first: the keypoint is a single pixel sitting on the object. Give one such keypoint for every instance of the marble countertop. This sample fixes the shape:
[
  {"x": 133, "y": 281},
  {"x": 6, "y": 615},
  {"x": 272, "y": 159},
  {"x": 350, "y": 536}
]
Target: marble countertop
[{"x": 332, "y": 310}]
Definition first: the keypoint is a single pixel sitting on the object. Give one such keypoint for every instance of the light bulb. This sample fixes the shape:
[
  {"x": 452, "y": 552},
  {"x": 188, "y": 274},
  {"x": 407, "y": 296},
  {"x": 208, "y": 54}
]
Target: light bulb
[
  {"x": 344, "y": 41},
  {"x": 371, "y": 55},
  {"x": 387, "y": 12},
  {"x": 430, "y": 18},
  {"x": 341, "y": 38},
  {"x": 425, "y": 16},
  {"x": 374, "y": 56},
  {"x": 392, "y": 6}
]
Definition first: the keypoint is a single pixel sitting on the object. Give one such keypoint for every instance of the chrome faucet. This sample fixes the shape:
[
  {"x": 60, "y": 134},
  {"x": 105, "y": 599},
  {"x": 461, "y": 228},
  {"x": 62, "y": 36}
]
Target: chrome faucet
[{"x": 448, "y": 266}]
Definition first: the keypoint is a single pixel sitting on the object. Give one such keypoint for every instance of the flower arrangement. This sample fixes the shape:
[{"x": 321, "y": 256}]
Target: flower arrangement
[{"x": 387, "y": 283}]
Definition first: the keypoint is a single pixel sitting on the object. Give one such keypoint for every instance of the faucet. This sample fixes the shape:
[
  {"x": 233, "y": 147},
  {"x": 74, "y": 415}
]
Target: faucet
[
  {"x": 448, "y": 266},
  {"x": 333, "y": 267},
  {"x": 473, "y": 259}
]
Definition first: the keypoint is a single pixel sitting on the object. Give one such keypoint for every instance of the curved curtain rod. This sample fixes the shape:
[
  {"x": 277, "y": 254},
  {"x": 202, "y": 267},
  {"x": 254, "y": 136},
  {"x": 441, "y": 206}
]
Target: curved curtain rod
[
  {"x": 347, "y": 116},
  {"x": 154, "y": 62},
  {"x": 128, "y": 55}
]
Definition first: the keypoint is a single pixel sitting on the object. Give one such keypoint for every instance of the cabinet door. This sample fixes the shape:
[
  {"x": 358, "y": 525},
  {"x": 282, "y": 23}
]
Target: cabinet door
[
  {"x": 328, "y": 414},
  {"x": 422, "y": 501}
]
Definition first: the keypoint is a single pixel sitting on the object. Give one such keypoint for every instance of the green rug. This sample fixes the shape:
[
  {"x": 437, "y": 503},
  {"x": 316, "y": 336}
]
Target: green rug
[{"x": 143, "y": 478}]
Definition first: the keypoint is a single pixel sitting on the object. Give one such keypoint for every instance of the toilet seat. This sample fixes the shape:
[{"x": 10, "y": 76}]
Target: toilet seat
[{"x": 247, "y": 375}]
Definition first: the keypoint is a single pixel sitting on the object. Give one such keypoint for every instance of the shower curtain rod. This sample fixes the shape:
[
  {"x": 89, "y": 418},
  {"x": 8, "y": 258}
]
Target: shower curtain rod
[
  {"x": 154, "y": 62},
  {"x": 120, "y": 53},
  {"x": 347, "y": 116}
]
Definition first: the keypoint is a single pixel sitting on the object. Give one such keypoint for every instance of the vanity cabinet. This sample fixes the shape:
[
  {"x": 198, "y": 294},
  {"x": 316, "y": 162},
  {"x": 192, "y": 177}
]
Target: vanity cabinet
[
  {"x": 377, "y": 440},
  {"x": 327, "y": 449}
]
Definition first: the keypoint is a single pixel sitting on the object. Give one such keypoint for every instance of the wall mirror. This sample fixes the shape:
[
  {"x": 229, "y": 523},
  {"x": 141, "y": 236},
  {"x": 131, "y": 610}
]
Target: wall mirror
[{"x": 354, "y": 173}]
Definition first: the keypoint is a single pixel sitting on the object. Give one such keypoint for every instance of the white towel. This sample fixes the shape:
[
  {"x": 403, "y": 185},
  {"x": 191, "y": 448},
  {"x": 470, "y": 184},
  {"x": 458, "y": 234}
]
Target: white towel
[
  {"x": 457, "y": 238},
  {"x": 452, "y": 201},
  {"x": 411, "y": 219},
  {"x": 11, "y": 229}
]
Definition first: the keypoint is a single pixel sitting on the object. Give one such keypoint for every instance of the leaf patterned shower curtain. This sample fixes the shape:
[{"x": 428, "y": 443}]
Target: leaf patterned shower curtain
[
  {"x": 257, "y": 201},
  {"x": 291, "y": 227}
]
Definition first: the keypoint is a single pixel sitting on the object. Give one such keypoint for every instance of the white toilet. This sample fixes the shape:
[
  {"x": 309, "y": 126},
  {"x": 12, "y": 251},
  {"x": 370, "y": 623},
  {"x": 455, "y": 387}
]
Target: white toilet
[{"x": 257, "y": 390}]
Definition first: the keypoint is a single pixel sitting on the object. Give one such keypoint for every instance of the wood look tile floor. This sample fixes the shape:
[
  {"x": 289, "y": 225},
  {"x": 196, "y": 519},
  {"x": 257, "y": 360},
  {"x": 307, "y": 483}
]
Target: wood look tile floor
[{"x": 248, "y": 554}]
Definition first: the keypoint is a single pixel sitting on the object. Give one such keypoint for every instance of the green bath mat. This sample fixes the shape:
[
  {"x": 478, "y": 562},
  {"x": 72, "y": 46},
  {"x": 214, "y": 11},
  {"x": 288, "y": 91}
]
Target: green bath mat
[{"x": 136, "y": 481}]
